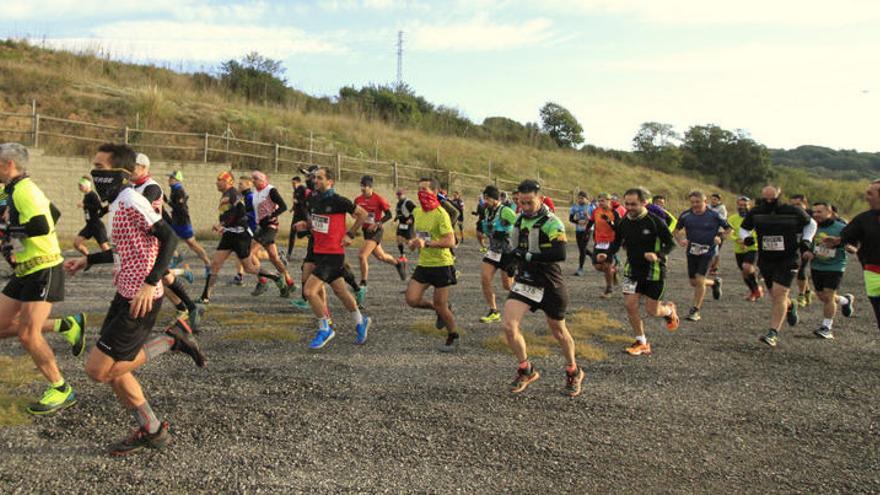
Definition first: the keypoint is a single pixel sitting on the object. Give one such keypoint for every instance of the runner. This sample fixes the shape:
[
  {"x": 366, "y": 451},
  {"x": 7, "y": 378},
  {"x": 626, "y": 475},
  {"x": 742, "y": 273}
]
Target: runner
[
  {"x": 144, "y": 184},
  {"x": 701, "y": 238},
  {"x": 180, "y": 219},
  {"x": 480, "y": 213},
  {"x": 864, "y": 231},
  {"x": 782, "y": 232},
  {"x": 404, "y": 218},
  {"x": 299, "y": 213},
  {"x": 144, "y": 244},
  {"x": 434, "y": 239},
  {"x": 378, "y": 212},
  {"x": 236, "y": 236},
  {"x": 658, "y": 208},
  {"x": 539, "y": 241},
  {"x": 458, "y": 202},
  {"x": 579, "y": 215},
  {"x": 647, "y": 241},
  {"x": 499, "y": 222},
  {"x": 38, "y": 280},
  {"x": 603, "y": 223},
  {"x": 327, "y": 212},
  {"x": 828, "y": 266},
  {"x": 805, "y": 295},
  {"x": 268, "y": 205},
  {"x": 746, "y": 256},
  {"x": 93, "y": 211}
]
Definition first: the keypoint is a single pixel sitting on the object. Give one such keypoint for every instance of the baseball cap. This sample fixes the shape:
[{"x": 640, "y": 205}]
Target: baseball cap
[
  {"x": 142, "y": 159},
  {"x": 176, "y": 175}
]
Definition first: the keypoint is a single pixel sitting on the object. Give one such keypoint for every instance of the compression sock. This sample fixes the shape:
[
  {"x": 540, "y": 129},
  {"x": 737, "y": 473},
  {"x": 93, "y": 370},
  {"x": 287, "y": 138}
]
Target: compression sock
[
  {"x": 145, "y": 418},
  {"x": 179, "y": 291},
  {"x": 358, "y": 317},
  {"x": 270, "y": 276}
]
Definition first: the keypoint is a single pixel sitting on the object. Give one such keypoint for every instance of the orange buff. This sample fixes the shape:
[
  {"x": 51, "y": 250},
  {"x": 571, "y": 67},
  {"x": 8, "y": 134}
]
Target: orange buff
[{"x": 226, "y": 176}]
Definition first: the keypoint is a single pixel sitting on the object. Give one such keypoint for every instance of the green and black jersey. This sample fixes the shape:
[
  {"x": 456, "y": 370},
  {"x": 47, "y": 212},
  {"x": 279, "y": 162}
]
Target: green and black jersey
[
  {"x": 30, "y": 212},
  {"x": 645, "y": 234}
]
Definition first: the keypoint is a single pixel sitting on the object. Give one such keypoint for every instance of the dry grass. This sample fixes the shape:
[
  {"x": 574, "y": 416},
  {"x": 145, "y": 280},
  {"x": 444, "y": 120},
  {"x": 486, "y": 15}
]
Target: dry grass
[
  {"x": 584, "y": 325},
  {"x": 427, "y": 329},
  {"x": 252, "y": 326},
  {"x": 16, "y": 375}
]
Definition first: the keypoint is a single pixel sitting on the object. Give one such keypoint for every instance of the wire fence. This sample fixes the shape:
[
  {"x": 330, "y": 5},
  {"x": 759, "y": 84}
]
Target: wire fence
[{"x": 54, "y": 134}]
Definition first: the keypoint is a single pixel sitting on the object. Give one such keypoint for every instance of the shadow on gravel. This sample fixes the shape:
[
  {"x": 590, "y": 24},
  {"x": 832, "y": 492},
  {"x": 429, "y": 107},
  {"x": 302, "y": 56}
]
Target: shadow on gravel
[{"x": 16, "y": 376}]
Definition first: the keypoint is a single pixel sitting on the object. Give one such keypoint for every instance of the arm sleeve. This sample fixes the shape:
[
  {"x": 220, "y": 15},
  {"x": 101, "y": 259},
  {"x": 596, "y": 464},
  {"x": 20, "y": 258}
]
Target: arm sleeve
[
  {"x": 571, "y": 217},
  {"x": 167, "y": 244},
  {"x": 851, "y": 234},
  {"x": 35, "y": 227},
  {"x": 618, "y": 239},
  {"x": 100, "y": 257},
  {"x": 555, "y": 253},
  {"x": 809, "y": 231},
  {"x": 276, "y": 198},
  {"x": 55, "y": 212},
  {"x": 386, "y": 216},
  {"x": 748, "y": 224}
]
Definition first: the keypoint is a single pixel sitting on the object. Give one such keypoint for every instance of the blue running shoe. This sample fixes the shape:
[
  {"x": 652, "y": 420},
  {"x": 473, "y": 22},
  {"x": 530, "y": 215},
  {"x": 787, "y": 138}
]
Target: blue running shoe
[
  {"x": 301, "y": 304},
  {"x": 362, "y": 330},
  {"x": 321, "y": 338},
  {"x": 360, "y": 295},
  {"x": 188, "y": 276}
]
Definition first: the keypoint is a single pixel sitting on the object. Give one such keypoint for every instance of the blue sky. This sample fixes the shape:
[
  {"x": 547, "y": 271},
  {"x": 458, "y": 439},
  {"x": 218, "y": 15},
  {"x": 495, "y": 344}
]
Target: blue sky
[{"x": 789, "y": 72}]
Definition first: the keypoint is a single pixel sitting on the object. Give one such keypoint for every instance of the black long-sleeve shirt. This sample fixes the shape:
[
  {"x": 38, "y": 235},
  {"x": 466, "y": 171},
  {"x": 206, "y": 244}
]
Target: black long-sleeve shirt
[
  {"x": 864, "y": 231},
  {"x": 645, "y": 234},
  {"x": 179, "y": 207},
  {"x": 93, "y": 210}
]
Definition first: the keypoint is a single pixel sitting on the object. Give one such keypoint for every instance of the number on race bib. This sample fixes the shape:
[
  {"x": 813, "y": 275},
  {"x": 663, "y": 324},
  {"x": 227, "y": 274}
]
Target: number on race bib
[
  {"x": 425, "y": 236},
  {"x": 403, "y": 226},
  {"x": 528, "y": 291},
  {"x": 603, "y": 245},
  {"x": 493, "y": 255},
  {"x": 822, "y": 251},
  {"x": 628, "y": 285},
  {"x": 773, "y": 243},
  {"x": 321, "y": 224},
  {"x": 698, "y": 249},
  {"x": 371, "y": 219}
]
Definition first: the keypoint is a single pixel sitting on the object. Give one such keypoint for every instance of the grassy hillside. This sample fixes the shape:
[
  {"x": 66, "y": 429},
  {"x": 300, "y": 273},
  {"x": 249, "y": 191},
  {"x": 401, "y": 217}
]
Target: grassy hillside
[{"x": 93, "y": 88}]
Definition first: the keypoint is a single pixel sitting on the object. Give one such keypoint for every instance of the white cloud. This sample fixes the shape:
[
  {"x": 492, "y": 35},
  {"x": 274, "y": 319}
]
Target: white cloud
[
  {"x": 348, "y": 5},
  {"x": 196, "y": 41},
  {"x": 478, "y": 34},
  {"x": 748, "y": 12},
  {"x": 202, "y": 10}
]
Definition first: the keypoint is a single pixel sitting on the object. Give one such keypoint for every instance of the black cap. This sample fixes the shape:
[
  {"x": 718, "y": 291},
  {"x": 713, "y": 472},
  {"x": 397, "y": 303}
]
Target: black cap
[
  {"x": 309, "y": 170},
  {"x": 528, "y": 186},
  {"x": 492, "y": 192},
  {"x": 367, "y": 180}
]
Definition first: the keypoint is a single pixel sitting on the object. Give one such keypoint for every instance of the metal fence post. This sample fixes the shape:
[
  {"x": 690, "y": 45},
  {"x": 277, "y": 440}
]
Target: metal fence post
[
  {"x": 338, "y": 166},
  {"x": 276, "y": 157},
  {"x": 205, "y": 158},
  {"x": 34, "y": 124},
  {"x": 448, "y": 181},
  {"x": 36, "y": 130},
  {"x": 125, "y": 139},
  {"x": 395, "y": 179}
]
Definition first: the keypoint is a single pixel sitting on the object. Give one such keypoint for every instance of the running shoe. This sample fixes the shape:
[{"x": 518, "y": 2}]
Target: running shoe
[
  {"x": 751, "y": 297},
  {"x": 524, "y": 378},
  {"x": 188, "y": 276},
  {"x": 608, "y": 293},
  {"x": 579, "y": 272},
  {"x": 402, "y": 259},
  {"x": 260, "y": 289},
  {"x": 238, "y": 280},
  {"x": 808, "y": 297},
  {"x": 823, "y": 332},
  {"x": 791, "y": 315},
  {"x": 283, "y": 288},
  {"x": 484, "y": 250},
  {"x": 802, "y": 300},
  {"x": 53, "y": 400},
  {"x": 716, "y": 288},
  {"x": 360, "y": 295},
  {"x": 672, "y": 320},
  {"x": 140, "y": 439},
  {"x": 76, "y": 334},
  {"x": 847, "y": 309},
  {"x": 493, "y": 316},
  {"x": 573, "y": 382},
  {"x": 771, "y": 338},
  {"x": 440, "y": 324},
  {"x": 638, "y": 349},
  {"x": 321, "y": 338},
  {"x": 184, "y": 342},
  {"x": 362, "y": 329},
  {"x": 195, "y": 317},
  {"x": 451, "y": 343},
  {"x": 301, "y": 304},
  {"x": 693, "y": 315},
  {"x": 401, "y": 270}
]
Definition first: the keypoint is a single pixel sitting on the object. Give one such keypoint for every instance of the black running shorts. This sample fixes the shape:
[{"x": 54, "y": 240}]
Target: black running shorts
[
  {"x": 123, "y": 337},
  {"x": 375, "y": 236},
  {"x": 328, "y": 267},
  {"x": 46, "y": 285},
  {"x": 96, "y": 231},
  {"x": 780, "y": 272},
  {"x": 749, "y": 257},
  {"x": 240, "y": 244},
  {"x": 699, "y": 265},
  {"x": 652, "y": 289},
  {"x": 265, "y": 237},
  {"x": 435, "y": 276},
  {"x": 406, "y": 231},
  {"x": 553, "y": 303},
  {"x": 825, "y": 280}
]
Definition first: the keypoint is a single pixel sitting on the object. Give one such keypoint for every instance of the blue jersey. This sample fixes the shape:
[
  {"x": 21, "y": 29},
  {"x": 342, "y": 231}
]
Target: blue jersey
[
  {"x": 579, "y": 213},
  {"x": 701, "y": 231},
  {"x": 249, "y": 207}
]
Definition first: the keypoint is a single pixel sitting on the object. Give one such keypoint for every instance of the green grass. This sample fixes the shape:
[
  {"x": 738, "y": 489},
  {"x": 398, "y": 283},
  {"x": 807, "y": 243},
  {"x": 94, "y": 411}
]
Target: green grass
[{"x": 16, "y": 376}]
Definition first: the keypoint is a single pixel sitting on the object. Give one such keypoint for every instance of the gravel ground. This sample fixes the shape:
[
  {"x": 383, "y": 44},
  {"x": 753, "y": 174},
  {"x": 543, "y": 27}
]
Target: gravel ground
[{"x": 713, "y": 410}]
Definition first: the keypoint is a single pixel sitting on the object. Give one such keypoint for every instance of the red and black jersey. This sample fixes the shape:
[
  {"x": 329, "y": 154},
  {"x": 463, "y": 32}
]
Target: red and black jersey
[
  {"x": 327, "y": 221},
  {"x": 376, "y": 207}
]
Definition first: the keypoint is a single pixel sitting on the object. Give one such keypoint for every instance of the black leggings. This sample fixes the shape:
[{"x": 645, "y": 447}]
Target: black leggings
[{"x": 583, "y": 238}]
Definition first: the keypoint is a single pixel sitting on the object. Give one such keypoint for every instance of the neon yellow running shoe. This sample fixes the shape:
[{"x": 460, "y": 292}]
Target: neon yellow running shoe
[
  {"x": 76, "y": 334},
  {"x": 493, "y": 316},
  {"x": 53, "y": 400}
]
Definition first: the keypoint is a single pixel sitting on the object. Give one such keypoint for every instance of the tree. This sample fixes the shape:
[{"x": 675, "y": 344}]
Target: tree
[
  {"x": 561, "y": 125},
  {"x": 735, "y": 159},
  {"x": 255, "y": 77},
  {"x": 654, "y": 144}
]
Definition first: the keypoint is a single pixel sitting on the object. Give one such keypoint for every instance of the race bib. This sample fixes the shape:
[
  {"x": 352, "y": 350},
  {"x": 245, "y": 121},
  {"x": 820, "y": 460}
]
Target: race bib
[
  {"x": 88, "y": 216},
  {"x": 425, "y": 236},
  {"x": 493, "y": 256},
  {"x": 371, "y": 219},
  {"x": 698, "y": 249},
  {"x": 773, "y": 243},
  {"x": 321, "y": 224},
  {"x": 403, "y": 226},
  {"x": 603, "y": 245},
  {"x": 822, "y": 251},
  {"x": 528, "y": 291},
  {"x": 628, "y": 285}
]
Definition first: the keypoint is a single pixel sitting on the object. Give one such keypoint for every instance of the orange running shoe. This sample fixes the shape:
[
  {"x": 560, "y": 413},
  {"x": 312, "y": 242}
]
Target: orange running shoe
[
  {"x": 523, "y": 378},
  {"x": 672, "y": 320},
  {"x": 637, "y": 349}
]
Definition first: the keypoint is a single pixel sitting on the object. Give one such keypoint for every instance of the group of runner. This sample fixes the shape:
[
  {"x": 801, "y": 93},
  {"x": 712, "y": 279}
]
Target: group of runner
[{"x": 524, "y": 239}]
